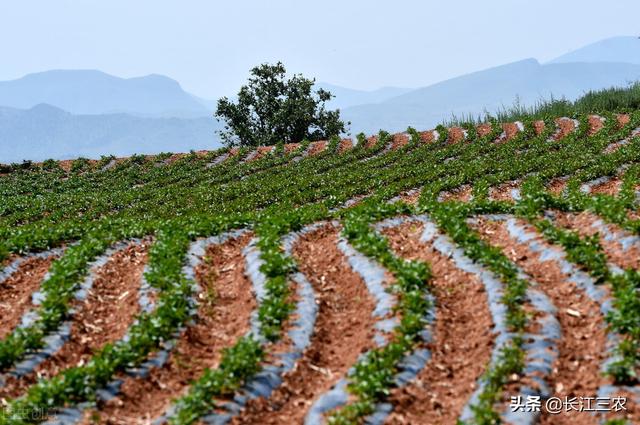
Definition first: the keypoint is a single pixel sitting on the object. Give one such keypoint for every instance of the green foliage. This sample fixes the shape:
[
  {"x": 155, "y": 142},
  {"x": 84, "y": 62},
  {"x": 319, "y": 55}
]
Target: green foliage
[
  {"x": 615, "y": 99},
  {"x": 373, "y": 375},
  {"x": 272, "y": 109},
  {"x": 44, "y": 207}
]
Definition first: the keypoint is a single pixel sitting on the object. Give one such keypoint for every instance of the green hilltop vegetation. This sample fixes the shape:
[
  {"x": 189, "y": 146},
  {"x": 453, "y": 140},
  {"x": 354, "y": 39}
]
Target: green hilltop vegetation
[
  {"x": 88, "y": 206},
  {"x": 619, "y": 99}
]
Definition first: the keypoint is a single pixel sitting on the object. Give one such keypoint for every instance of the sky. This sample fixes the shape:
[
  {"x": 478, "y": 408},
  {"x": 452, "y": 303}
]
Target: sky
[{"x": 209, "y": 46}]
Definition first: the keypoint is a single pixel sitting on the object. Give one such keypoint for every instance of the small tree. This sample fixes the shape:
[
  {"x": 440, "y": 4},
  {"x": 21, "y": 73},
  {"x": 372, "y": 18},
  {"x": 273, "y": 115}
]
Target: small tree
[{"x": 271, "y": 109}]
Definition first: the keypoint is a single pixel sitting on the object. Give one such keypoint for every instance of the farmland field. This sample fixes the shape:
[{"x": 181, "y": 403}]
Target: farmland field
[{"x": 435, "y": 277}]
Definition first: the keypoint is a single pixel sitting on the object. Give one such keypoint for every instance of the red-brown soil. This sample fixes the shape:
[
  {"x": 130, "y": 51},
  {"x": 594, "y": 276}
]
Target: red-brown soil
[
  {"x": 595, "y": 124},
  {"x": 410, "y": 197},
  {"x": 539, "y": 126},
  {"x": 225, "y": 305},
  {"x": 456, "y": 135},
  {"x": 399, "y": 140},
  {"x": 623, "y": 119},
  {"x": 103, "y": 317},
  {"x": 66, "y": 164},
  {"x": 262, "y": 151},
  {"x": 427, "y": 136},
  {"x": 612, "y": 187},
  {"x": 343, "y": 330},
  {"x": 566, "y": 127},
  {"x": 317, "y": 147},
  {"x": 463, "y": 193},
  {"x": 175, "y": 157},
  {"x": 557, "y": 185},
  {"x": 462, "y": 339},
  {"x": 483, "y": 129},
  {"x": 503, "y": 191},
  {"x": 371, "y": 141},
  {"x": 511, "y": 130},
  {"x": 631, "y": 412},
  {"x": 345, "y": 145},
  {"x": 582, "y": 346},
  {"x": 16, "y": 290},
  {"x": 290, "y": 147},
  {"x": 582, "y": 222}
]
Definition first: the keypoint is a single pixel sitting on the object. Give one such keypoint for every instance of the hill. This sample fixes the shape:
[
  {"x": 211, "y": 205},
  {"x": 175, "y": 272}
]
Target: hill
[
  {"x": 435, "y": 277},
  {"x": 615, "y": 49},
  {"x": 95, "y": 92},
  {"x": 346, "y": 97},
  {"x": 489, "y": 90},
  {"x": 45, "y": 131}
]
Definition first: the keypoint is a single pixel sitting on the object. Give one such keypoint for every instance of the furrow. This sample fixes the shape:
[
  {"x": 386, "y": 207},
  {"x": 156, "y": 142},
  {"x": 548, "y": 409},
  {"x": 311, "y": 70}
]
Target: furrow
[
  {"x": 100, "y": 315},
  {"x": 221, "y": 312},
  {"x": 436, "y": 380},
  {"x": 383, "y": 321},
  {"x": 19, "y": 281},
  {"x": 541, "y": 333},
  {"x": 24, "y": 371},
  {"x": 586, "y": 348},
  {"x": 282, "y": 356},
  {"x": 343, "y": 329},
  {"x": 620, "y": 246}
]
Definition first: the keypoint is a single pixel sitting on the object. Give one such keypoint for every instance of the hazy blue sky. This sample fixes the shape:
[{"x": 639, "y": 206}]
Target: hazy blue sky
[{"x": 209, "y": 45}]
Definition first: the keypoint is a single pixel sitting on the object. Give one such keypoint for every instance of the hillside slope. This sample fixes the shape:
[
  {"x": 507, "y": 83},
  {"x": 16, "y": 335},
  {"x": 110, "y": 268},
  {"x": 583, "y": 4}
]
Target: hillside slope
[
  {"x": 45, "y": 131},
  {"x": 95, "y": 92},
  {"x": 423, "y": 278},
  {"x": 615, "y": 49},
  {"x": 490, "y": 90}
]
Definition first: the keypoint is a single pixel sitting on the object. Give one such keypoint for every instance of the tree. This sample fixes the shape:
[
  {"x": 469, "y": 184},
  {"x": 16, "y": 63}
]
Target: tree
[{"x": 271, "y": 109}]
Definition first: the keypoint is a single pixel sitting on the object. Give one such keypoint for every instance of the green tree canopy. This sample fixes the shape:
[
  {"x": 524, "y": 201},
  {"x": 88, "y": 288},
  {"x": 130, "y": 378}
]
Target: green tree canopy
[{"x": 272, "y": 109}]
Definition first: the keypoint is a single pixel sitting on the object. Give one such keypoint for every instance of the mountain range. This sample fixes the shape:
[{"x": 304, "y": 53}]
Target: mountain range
[
  {"x": 70, "y": 113},
  {"x": 46, "y": 131}
]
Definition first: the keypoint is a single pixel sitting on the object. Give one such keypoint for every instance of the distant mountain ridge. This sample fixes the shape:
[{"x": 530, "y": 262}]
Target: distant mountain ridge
[
  {"x": 95, "y": 92},
  {"x": 615, "y": 49},
  {"x": 489, "y": 90},
  {"x": 64, "y": 114},
  {"x": 345, "y": 97},
  {"x": 46, "y": 131}
]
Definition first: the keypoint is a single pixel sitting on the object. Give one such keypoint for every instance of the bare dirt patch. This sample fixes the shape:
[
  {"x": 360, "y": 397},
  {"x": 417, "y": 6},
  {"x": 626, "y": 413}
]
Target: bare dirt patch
[
  {"x": 538, "y": 127},
  {"x": 623, "y": 119},
  {"x": 483, "y": 129},
  {"x": 291, "y": 147},
  {"x": 262, "y": 151},
  {"x": 317, "y": 147},
  {"x": 595, "y": 124},
  {"x": 462, "y": 339},
  {"x": 463, "y": 193},
  {"x": 399, "y": 140},
  {"x": 16, "y": 291},
  {"x": 343, "y": 330},
  {"x": 611, "y": 187},
  {"x": 411, "y": 197},
  {"x": 427, "y": 136},
  {"x": 371, "y": 141},
  {"x": 345, "y": 145},
  {"x": 511, "y": 130},
  {"x": 503, "y": 191},
  {"x": 456, "y": 135},
  {"x": 557, "y": 185},
  {"x": 565, "y": 127}
]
